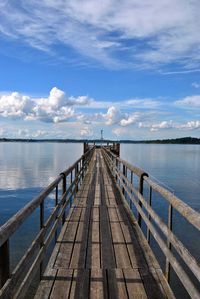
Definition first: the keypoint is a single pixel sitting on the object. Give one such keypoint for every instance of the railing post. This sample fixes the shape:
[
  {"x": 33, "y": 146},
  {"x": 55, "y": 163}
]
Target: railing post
[
  {"x": 63, "y": 192},
  {"x": 130, "y": 204},
  {"x": 76, "y": 178},
  {"x": 71, "y": 180},
  {"x": 41, "y": 227},
  {"x": 149, "y": 217},
  {"x": 116, "y": 168},
  {"x": 141, "y": 189},
  {"x": 56, "y": 203},
  {"x": 4, "y": 263},
  {"x": 124, "y": 173},
  {"x": 168, "y": 267}
]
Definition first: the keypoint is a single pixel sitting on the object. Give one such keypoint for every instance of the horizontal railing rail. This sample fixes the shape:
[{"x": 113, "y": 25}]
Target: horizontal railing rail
[
  {"x": 14, "y": 284},
  {"x": 145, "y": 212}
]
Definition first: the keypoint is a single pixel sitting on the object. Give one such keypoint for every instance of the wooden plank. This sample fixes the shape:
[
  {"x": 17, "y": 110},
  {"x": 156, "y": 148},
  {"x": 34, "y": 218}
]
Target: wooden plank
[
  {"x": 121, "y": 252},
  {"x": 113, "y": 216},
  {"x": 98, "y": 284},
  {"x": 146, "y": 256},
  {"x": 134, "y": 284},
  {"x": 95, "y": 214},
  {"x": 79, "y": 251},
  {"x": 152, "y": 284},
  {"x": 94, "y": 247},
  {"x": 116, "y": 284},
  {"x": 80, "y": 284},
  {"x": 46, "y": 284},
  {"x": 66, "y": 246},
  {"x": 66, "y": 242},
  {"x": 165, "y": 285},
  {"x": 107, "y": 252},
  {"x": 61, "y": 288}
]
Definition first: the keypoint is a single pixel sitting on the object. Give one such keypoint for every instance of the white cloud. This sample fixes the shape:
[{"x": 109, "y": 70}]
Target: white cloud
[
  {"x": 15, "y": 105},
  {"x": 157, "y": 126},
  {"x": 113, "y": 116},
  {"x": 143, "y": 103},
  {"x": 86, "y": 132},
  {"x": 119, "y": 131},
  {"x": 57, "y": 107},
  {"x": 195, "y": 84},
  {"x": 190, "y": 125},
  {"x": 189, "y": 102},
  {"x": 148, "y": 33},
  {"x": 131, "y": 119}
]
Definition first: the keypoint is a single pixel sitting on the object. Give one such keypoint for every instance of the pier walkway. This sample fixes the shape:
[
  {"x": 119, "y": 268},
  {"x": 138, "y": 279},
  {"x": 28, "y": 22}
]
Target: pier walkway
[
  {"x": 95, "y": 229},
  {"x": 100, "y": 253}
]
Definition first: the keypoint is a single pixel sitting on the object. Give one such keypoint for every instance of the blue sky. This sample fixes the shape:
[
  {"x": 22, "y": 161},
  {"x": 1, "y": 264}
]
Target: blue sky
[{"x": 71, "y": 68}]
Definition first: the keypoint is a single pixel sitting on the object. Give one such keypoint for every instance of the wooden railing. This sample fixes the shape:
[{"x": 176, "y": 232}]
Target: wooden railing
[
  {"x": 64, "y": 187},
  {"x": 130, "y": 181}
]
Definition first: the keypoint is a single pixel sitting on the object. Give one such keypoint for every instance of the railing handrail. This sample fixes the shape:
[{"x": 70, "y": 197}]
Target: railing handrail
[
  {"x": 12, "y": 224},
  {"x": 9, "y": 227},
  {"x": 184, "y": 209},
  {"x": 147, "y": 214},
  {"x": 48, "y": 228}
]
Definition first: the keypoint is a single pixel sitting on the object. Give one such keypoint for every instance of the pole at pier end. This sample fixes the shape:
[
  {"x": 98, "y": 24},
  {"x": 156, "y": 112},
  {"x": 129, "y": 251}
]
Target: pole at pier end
[{"x": 101, "y": 137}]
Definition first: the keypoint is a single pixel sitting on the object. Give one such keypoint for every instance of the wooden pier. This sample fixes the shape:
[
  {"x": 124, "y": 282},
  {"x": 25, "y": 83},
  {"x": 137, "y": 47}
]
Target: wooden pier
[{"x": 101, "y": 251}]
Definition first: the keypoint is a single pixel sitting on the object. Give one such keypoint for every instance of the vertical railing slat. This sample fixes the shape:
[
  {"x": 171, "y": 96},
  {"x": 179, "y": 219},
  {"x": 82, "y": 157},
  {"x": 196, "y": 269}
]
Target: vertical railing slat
[
  {"x": 168, "y": 267},
  {"x": 4, "y": 263},
  {"x": 149, "y": 217},
  {"x": 41, "y": 226}
]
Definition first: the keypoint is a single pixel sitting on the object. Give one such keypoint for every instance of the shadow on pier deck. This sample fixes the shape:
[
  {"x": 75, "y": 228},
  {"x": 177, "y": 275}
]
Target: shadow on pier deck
[{"x": 100, "y": 252}]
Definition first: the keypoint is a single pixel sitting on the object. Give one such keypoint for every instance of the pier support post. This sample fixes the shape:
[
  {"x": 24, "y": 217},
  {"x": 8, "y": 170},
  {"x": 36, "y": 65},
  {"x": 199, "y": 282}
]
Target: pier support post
[
  {"x": 4, "y": 263},
  {"x": 141, "y": 190},
  {"x": 63, "y": 192}
]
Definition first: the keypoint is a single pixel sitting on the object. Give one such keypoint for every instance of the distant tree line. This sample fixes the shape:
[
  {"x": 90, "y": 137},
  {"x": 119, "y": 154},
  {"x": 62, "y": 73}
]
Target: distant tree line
[{"x": 184, "y": 140}]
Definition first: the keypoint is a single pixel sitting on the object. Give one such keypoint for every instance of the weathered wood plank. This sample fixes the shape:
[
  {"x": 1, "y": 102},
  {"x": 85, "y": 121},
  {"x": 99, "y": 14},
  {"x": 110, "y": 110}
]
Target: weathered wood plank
[
  {"x": 94, "y": 247},
  {"x": 116, "y": 284},
  {"x": 79, "y": 250},
  {"x": 107, "y": 252},
  {"x": 62, "y": 284},
  {"x": 134, "y": 284},
  {"x": 120, "y": 248},
  {"x": 98, "y": 284},
  {"x": 46, "y": 284}
]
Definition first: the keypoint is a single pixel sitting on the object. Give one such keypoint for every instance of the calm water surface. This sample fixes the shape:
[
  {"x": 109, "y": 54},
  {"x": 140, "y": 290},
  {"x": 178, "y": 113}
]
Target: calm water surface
[
  {"x": 175, "y": 166},
  {"x": 26, "y": 168}
]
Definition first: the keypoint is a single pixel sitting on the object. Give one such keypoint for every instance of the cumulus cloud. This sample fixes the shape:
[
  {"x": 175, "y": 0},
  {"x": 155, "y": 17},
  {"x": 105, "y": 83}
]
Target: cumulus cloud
[
  {"x": 113, "y": 116},
  {"x": 57, "y": 107},
  {"x": 106, "y": 30},
  {"x": 15, "y": 105},
  {"x": 86, "y": 132},
  {"x": 131, "y": 119},
  {"x": 189, "y": 102}
]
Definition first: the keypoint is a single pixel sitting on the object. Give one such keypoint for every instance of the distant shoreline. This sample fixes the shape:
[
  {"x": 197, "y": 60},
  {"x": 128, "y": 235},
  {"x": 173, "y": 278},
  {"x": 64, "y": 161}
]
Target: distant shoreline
[{"x": 184, "y": 140}]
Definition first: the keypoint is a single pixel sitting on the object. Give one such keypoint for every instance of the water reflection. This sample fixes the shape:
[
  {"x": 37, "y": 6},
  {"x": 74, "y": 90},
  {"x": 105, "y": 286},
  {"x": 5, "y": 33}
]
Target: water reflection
[
  {"x": 29, "y": 165},
  {"x": 177, "y": 166}
]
